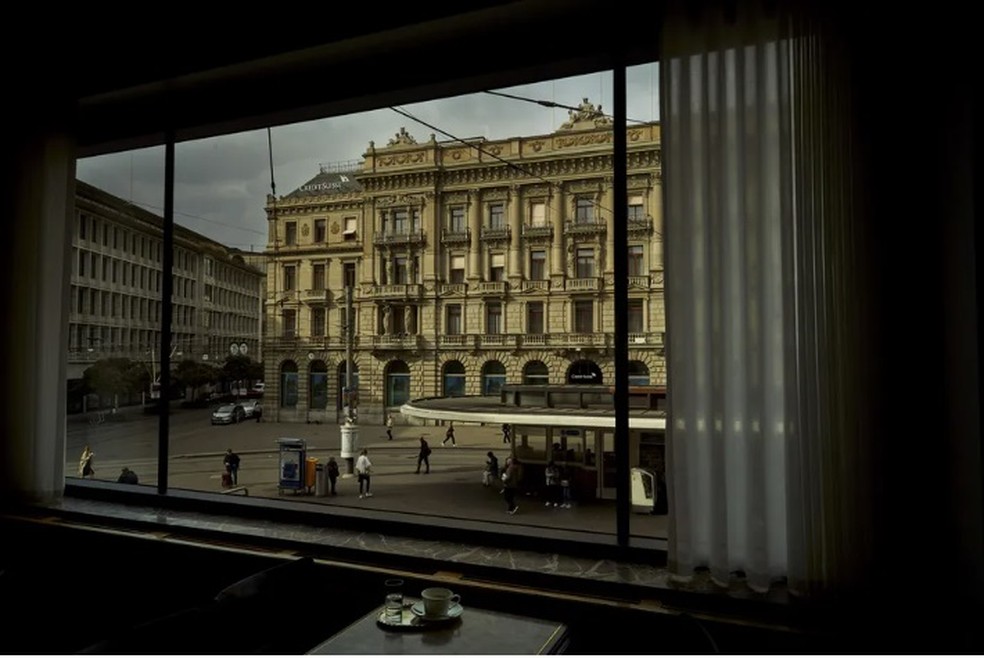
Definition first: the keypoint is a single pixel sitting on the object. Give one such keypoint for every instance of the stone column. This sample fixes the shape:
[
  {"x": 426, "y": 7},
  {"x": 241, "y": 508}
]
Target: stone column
[
  {"x": 654, "y": 207},
  {"x": 609, "y": 199},
  {"x": 431, "y": 258},
  {"x": 475, "y": 225},
  {"x": 516, "y": 236},
  {"x": 558, "y": 210}
]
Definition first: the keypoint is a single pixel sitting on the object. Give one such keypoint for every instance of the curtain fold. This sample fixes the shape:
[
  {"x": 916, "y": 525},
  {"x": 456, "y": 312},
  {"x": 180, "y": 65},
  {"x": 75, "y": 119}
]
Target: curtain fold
[{"x": 760, "y": 318}]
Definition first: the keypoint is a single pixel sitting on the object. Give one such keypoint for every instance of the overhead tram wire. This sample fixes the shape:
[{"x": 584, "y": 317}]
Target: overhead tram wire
[{"x": 553, "y": 104}]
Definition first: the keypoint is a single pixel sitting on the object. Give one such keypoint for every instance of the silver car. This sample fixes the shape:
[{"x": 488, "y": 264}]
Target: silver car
[
  {"x": 252, "y": 408},
  {"x": 228, "y": 414}
]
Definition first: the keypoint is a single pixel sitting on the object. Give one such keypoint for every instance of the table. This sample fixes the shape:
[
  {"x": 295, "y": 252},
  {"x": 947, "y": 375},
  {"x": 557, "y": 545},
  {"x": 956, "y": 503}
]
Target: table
[{"x": 477, "y": 631}]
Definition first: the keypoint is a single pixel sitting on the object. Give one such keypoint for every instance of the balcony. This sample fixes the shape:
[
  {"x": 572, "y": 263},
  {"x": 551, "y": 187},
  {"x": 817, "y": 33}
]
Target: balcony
[
  {"x": 452, "y": 288},
  {"x": 653, "y": 338},
  {"x": 639, "y": 282},
  {"x": 492, "y": 287},
  {"x": 398, "y": 291},
  {"x": 638, "y": 226},
  {"x": 396, "y": 342},
  {"x": 537, "y": 231},
  {"x": 457, "y": 340},
  {"x": 497, "y": 340},
  {"x": 534, "y": 340},
  {"x": 540, "y": 285},
  {"x": 456, "y": 236},
  {"x": 590, "y": 284},
  {"x": 578, "y": 339},
  {"x": 314, "y": 295},
  {"x": 592, "y": 227},
  {"x": 399, "y": 238},
  {"x": 496, "y": 233}
]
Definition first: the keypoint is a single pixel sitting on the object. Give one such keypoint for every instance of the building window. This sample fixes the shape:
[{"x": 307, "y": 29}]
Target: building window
[
  {"x": 290, "y": 237},
  {"x": 320, "y": 230},
  {"x": 585, "y": 210},
  {"x": 454, "y": 379},
  {"x": 538, "y": 265},
  {"x": 348, "y": 275},
  {"x": 635, "y": 260},
  {"x": 83, "y": 220},
  {"x": 635, "y": 317},
  {"x": 493, "y": 378},
  {"x": 318, "y": 277},
  {"x": 534, "y": 318},
  {"x": 536, "y": 373},
  {"x": 636, "y": 211},
  {"x": 497, "y": 215},
  {"x": 318, "y": 385},
  {"x": 397, "y": 383},
  {"x": 208, "y": 266},
  {"x": 638, "y": 374},
  {"x": 493, "y": 318},
  {"x": 399, "y": 222},
  {"x": 290, "y": 323},
  {"x": 318, "y": 322},
  {"x": 583, "y": 316},
  {"x": 288, "y": 384},
  {"x": 399, "y": 270},
  {"x": 456, "y": 222},
  {"x": 83, "y": 256},
  {"x": 457, "y": 273},
  {"x": 453, "y": 327},
  {"x": 349, "y": 232},
  {"x": 538, "y": 214},
  {"x": 290, "y": 277},
  {"x": 585, "y": 264},
  {"x": 497, "y": 270}
]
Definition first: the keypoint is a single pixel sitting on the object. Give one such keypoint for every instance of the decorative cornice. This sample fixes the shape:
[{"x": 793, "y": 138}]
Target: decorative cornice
[
  {"x": 495, "y": 195},
  {"x": 399, "y": 200}
]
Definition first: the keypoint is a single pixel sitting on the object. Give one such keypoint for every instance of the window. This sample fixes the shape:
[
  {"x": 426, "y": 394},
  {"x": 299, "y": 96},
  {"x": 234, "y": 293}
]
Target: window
[
  {"x": 288, "y": 384},
  {"x": 318, "y": 321},
  {"x": 493, "y": 318},
  {"x": 208, "y": 292},
  {"x": 397, "y": 383},
  {"x": 399, "y": 224},
  {"x": 349, "y": 232},
  {"x": 318, "y": 276},
  {"x": 457, "y": 273},
  {"x": 399, "y": 270},
  {"x": 497, "y": 268},
  {"x": 83, "y": 256},
  {"x": 493, "y": 378},
  {"x": 536, "y": 373},
  {"x": 635, "y": 260},
  {"x": 290, "y": 277},
  {"x": 348, "y": 275},
  {"x": 83, "y": 220},
  {"x": 635, "y": 319},
  {"x": 456, "y": 222},
  {"x": 538, "y": 265},
  {"x": 585, "y": 266},
  {"x": 636, "y": 211},
  {"x": 290, "y": 323},
  {"x": 538, "y": 213},
  {"x": 290, "y": 234},
  {"x": 453, "y": 326},
  {"x": 497, "y": 215},
  {"x": 454, "y": 379},
  {"x": 584, "y": 211},
  {"x": 320, "y": 230},
  {"x": 534, "y": 318},
  {"x": 583, "y": 316}
]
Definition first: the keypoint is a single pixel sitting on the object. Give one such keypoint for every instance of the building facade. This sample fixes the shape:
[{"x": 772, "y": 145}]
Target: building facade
[
  {"x": 116, "y": 291},
  {"x": 471, "y": 265}
]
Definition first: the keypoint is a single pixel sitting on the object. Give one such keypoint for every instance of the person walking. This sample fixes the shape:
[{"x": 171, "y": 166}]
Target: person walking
[
  {"x": 565, "y": 488},
  {"x": 551, "y": 491},
  {"x": 332, "y": 471},
  {"x": 506, "y": 432},
  {"x": 363, "y": 469},
  {"x": 491, "y": 469},
  {"x": 510, "y": 483},
  {"x": 423, "y": 457},
  {"x": 231, "y": 463},
  {"x": 85, "y": 463},
  {"x": 389, "y": 427},
  {"x": 449, "y": 435}
]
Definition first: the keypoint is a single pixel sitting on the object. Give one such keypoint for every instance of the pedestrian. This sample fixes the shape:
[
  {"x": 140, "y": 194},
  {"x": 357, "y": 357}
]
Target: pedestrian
[
  {"x": 389, "y": 426},
  {"x": 566, "y": 495},
  {"x": 423, "y": 457},
  {"x": 506, "y": 432},
  {"x": 231, "y": 463},
  {"x": 491, "y": 469},
  {"x": 127, "y": 477},
  {"x": 226, "y": 478},
  {"x": 551, "y": 492},
  {"x": 510, "y": 482},
  {"x": 332, "y": 471},
  {"x": 502, "y": 476},
  {"x": 85, "y": 463},
  {"x": 363, "y": 469},
  {"x": 449, "y": 435}
]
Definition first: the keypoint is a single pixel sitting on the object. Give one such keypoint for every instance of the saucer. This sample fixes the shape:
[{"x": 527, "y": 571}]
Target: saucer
[{"x": 453, "y": 612}]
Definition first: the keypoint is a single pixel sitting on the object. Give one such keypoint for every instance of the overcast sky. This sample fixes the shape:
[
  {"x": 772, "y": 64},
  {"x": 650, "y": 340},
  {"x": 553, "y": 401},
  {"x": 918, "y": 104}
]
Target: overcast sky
[{"x": 221, "y": 183}]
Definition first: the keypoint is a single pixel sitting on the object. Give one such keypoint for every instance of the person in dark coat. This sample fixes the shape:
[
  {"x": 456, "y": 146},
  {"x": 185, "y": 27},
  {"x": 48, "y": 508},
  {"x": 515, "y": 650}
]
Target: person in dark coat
[
  {"x": 332, "y": 472},
  {"x": 423, "y": 457}
]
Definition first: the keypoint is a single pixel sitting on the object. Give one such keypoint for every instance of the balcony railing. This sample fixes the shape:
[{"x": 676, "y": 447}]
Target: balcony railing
[
  {"x": 540, "y": 284},
  {"x": 396, "y": 342},
  {"x": 637, "y": 225},
  {"x": 537, "y": 231},
  {"x": 592, "y": 227},
  {"x": 398, "y": 238},
  {"x": 639, "y": 281},
  {"x": 314, "y": 295},
  {"x": 497, "y": 340},
  {"x": 456, "y": 236},
  {"x": 457, "y": 340},
  {"x": 589, "y": 284},
  {"x": 496, "y": 233},
  {"x": 398, "y": 291},
  {"x": 453, "y": 288},
  {"x": 492, "y": 287}
]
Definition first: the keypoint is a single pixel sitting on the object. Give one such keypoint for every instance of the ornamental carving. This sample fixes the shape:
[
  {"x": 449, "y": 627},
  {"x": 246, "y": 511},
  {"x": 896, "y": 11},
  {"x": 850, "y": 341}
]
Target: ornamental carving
[
  {"x": 402, "y": 137},
  {"x": 583, "y": 187},
  {"x": 305, "y": 230},
  {"x": 537, "y": 146},
  {"x": 583, "y": 140},
  {"x": 335, "y": 228},
  {"x": 495, "y": 195},
  {"x": 537, "y": 191},
  {"x": 635, "y": 135},
  {"x": 585, "y": 116},
  {"x": 400, "y": 200},
  {"x": 456, "y": 197},
  {"x": 494, "y": 149},
  {"x": 402, "y": 159}
]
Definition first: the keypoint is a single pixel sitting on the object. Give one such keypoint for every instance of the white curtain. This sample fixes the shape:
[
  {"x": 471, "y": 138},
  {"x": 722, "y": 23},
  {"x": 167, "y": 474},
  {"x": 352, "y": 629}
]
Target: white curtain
[{"x": 763, "y": 435}]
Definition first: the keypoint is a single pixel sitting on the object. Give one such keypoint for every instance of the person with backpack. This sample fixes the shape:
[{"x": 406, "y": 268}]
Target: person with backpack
[
  {"x": 423, "y": 457},
  {"x": 331, "y": 469}
]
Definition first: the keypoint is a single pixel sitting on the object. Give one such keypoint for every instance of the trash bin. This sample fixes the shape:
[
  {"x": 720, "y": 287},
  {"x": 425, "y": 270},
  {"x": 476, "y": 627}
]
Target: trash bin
[
  {"x": 292, "y": 459},
  {"x": 310, "y": 472},
  {"x": 643, "y": 490},
  {"x": 320, "y": 481}
]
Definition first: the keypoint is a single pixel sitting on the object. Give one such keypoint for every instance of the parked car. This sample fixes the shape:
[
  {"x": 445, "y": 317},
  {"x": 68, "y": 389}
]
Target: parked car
[
  {"x": 258, "y": 387},
  {"x": 227, "y": 414},
  {"x": 252, "y": 408}
]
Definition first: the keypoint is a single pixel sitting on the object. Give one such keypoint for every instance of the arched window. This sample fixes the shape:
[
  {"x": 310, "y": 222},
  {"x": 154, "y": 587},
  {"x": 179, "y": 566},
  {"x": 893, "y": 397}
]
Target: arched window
[
  {"x": 584, "y": 371},
  {"x": 353, "y": 395},
  {"x": 288, "y": 384},
  {"x": 493, "y": 378},
  {"x": 397, "y": 383},
  {"x": 454, "y": 379},
  {"x": 638, "y": 373},
  {"x": 536, "y": 372},
  {"x": 317, "y": 385}
]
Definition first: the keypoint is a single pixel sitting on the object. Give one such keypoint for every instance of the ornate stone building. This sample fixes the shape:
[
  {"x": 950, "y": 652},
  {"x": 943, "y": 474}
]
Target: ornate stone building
[{"x": 472, "y": 265}]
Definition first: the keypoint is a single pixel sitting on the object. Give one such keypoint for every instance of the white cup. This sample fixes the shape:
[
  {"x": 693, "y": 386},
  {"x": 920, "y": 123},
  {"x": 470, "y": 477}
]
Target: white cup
[{"x": 438, "y": 601}]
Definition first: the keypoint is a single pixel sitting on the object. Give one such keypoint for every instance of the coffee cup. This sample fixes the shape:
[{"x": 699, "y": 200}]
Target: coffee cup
[{"x": 438, "y": 601}]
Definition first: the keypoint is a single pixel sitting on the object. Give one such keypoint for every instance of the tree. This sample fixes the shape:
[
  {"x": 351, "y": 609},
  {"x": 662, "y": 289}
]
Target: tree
[
  {"x": 116, "y": 377},
  {"x": 192, "y": 374},
  {"x": 239, "y": 368}
]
